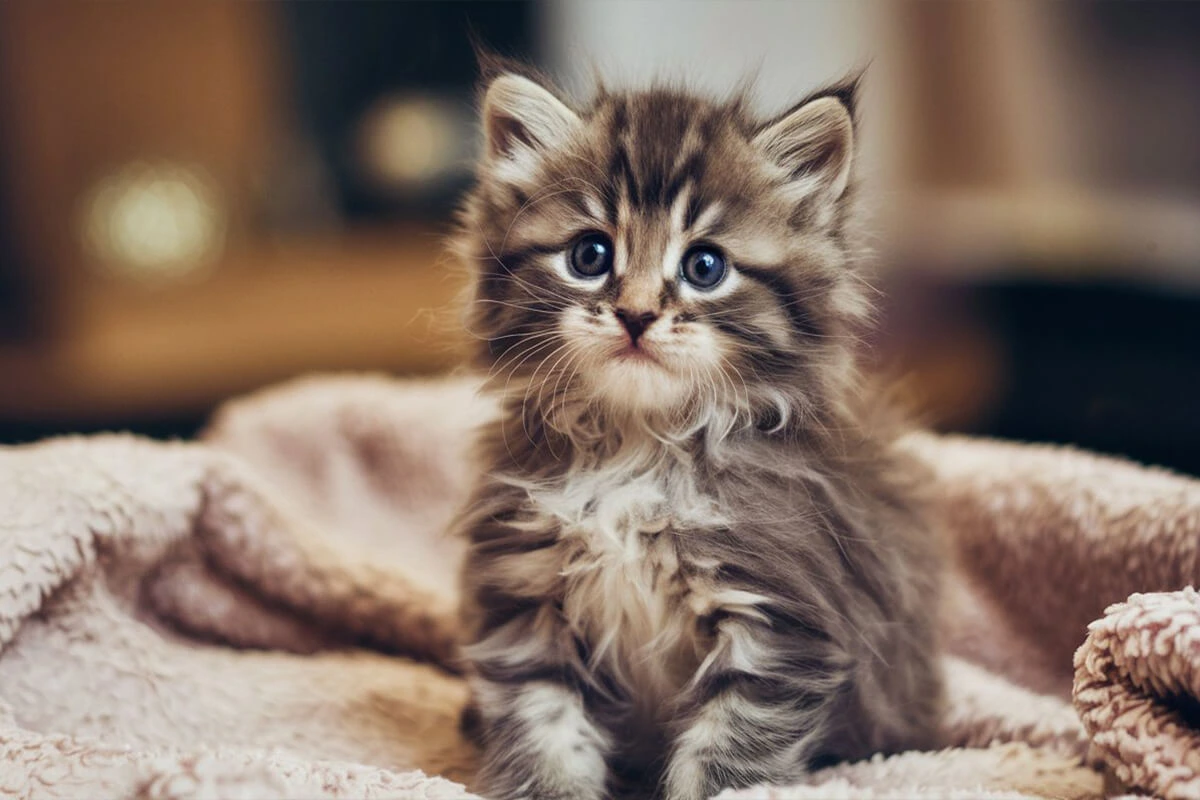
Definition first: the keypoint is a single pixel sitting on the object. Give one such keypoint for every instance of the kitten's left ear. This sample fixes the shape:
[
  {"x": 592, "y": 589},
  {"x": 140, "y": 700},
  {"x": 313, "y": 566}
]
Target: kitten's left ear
[{"x": 814, "y": 142}]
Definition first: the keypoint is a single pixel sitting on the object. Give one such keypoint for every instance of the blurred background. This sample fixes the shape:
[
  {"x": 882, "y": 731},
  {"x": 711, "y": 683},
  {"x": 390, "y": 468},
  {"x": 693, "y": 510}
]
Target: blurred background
[{"x": 201, "y": 198}]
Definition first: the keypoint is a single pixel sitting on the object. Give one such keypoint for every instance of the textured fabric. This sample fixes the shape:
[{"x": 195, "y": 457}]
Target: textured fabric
[
  {"x": 269, "y": 613},
  {"x": 1137, "y": 680}
]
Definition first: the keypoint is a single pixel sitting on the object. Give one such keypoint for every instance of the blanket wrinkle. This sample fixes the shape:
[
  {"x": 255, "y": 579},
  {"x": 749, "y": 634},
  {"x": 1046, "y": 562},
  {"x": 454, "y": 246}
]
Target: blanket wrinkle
[
  {"x": 269, "y": 611},
  {"x": 1137, "y": 684},
  {"x": 259, "y": 545},
  {"x": 87, "y": 665},
  {"x": 1106, "y": 528}
]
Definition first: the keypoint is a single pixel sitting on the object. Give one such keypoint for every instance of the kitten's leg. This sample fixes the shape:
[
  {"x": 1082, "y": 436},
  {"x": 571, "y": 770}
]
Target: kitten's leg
[
  {"x": 758, "y": 715},
  {"x": 540, "y": 744},
  {"x": 539, "y": 741}
]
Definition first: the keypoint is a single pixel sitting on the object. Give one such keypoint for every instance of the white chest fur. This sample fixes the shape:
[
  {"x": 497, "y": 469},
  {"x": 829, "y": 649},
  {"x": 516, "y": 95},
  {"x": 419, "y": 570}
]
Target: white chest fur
[{"x": 626, "y": 591}]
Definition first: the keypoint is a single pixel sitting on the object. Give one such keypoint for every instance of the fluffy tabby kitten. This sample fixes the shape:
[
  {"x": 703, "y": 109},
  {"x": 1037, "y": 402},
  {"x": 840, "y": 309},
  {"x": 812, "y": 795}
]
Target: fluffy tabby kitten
[{"x": 694, "y": 560}]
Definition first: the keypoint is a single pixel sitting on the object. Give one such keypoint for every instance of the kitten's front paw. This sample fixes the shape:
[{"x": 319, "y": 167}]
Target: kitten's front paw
[
  {"x": 683, "y": 793},
  {"x": 686, "y": 780},
  {"x": 544, "y": 747}
]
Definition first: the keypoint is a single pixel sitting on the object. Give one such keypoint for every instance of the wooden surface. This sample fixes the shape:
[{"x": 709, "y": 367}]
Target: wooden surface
[{"x": 367, "y": 301}]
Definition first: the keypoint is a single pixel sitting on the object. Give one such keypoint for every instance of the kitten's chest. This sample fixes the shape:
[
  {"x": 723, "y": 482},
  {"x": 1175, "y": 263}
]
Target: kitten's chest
[{"x": 629, "y": 589}]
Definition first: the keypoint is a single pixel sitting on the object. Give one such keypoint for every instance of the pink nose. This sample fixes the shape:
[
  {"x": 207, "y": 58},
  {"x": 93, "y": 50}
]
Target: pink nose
[{"x": 635, "y": 322}]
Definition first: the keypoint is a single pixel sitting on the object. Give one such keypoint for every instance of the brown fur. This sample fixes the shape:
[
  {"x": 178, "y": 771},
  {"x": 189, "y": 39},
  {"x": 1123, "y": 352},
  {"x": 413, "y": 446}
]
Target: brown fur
[{"x": 697, "y": 560}]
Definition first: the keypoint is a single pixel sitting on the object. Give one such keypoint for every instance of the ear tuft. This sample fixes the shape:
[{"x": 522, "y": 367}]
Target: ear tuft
[
  {"x": 519, "y": 113},
  {"x": 814, "y": 143}
]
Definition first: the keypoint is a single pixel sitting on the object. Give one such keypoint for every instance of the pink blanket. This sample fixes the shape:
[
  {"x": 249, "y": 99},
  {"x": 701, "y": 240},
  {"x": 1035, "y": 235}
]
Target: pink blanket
[{"x": 270, "y": 612}]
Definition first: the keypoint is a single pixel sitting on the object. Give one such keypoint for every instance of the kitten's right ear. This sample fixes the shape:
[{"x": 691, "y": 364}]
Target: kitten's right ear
[{"x": 520, "y": 116}]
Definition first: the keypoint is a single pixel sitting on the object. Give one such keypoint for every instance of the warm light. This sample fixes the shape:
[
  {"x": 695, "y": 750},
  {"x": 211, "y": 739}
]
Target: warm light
[
  {"x": 154, "y": 221},
  {"x": 407, "y": 142}
]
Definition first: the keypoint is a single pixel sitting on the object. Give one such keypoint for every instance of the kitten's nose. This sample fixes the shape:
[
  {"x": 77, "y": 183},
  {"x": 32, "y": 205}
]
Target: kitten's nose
[{"x": 635, "y": 322}]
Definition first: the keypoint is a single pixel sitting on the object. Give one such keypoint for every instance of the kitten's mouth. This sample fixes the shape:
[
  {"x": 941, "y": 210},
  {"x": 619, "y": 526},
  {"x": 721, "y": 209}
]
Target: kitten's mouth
[{"x": 631, "y": 352}]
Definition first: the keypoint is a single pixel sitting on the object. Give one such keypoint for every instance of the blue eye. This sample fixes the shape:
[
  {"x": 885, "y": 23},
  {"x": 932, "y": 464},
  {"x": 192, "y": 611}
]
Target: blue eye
[
  {"x": 703, "y": 267},
  {"x": 591, "y": 256}
]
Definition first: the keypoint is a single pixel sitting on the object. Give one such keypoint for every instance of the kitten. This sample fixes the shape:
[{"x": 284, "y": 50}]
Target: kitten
[{"x": 695, "y": 560}]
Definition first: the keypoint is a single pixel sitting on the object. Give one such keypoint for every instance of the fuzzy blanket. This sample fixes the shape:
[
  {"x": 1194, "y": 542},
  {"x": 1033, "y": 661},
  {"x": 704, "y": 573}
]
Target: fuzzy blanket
[{"x": 269, "y": 613}]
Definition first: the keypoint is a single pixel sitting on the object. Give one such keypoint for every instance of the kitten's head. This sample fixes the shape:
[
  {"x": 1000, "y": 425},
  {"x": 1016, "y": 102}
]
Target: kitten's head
[{"x": 662, "y": 256}]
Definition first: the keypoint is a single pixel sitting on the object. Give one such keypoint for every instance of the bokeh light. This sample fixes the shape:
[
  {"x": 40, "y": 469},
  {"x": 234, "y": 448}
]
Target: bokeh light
[{"x": 153, "y": 221}]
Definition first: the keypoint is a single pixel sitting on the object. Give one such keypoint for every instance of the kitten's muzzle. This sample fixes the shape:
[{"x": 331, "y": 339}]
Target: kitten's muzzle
[{"x": 635, "y": 322}]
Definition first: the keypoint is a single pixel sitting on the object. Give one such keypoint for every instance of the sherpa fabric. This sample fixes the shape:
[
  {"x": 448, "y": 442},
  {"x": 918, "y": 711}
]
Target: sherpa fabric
[
  {"x": 270, "y": 612},
  {"x": 1137, "y": 680}
]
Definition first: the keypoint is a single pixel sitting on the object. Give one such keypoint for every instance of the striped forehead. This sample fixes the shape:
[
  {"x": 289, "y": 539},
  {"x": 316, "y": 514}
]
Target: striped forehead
[
  {"x": 643, "y": 240},
  {"x": 658, "y": 149},
  {"x": 656, "y": 200},
  {"x": 648, "y": 236}
]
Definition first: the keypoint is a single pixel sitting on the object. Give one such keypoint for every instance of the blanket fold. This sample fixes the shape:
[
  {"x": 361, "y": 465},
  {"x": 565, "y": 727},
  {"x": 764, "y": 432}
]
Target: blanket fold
[
  {"x": 103, "y": 693},
  {"x": 1137, "y": 688},
  {"x": 270, "y": 612}
]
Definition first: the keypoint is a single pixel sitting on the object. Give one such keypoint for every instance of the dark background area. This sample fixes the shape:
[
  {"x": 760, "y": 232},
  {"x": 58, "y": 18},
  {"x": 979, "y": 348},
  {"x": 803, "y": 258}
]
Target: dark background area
[
  {"x": 1039, "y": 248},
  {"x": 1105, "y": 366},
  {"x": 344, "y": 56}
]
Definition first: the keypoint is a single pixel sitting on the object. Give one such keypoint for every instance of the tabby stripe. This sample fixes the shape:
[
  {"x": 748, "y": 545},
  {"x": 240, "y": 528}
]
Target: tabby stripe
[
  {"x": 787, "y": 295},
  {"x": 523, "y": 254},
  {"x": 579, "y": 201},
  {"x": 688, "y": 173},
  {"x": 764, "y": 346},
  {"x": 623, "y": 170},
  {"x": 694, "y": 206},
  {"x": 610, "y": 200}
]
